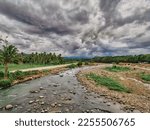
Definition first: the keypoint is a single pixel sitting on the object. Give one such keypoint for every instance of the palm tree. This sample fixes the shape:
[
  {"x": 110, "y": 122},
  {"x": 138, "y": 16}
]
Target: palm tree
[{"x": 7, "y": 54}]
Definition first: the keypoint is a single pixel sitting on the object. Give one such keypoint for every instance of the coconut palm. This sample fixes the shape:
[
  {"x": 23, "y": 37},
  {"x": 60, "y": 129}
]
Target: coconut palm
[{"x": 7, "y": 54}]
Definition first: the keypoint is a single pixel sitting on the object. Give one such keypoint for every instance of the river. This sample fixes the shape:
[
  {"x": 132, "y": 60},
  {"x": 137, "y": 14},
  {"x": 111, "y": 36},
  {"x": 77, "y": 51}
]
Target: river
[{"x": 59, "y": 93}]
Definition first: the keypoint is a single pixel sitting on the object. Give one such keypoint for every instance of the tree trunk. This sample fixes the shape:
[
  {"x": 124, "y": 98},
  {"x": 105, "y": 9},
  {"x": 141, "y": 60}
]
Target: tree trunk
[{"x": 6, "y": 71}]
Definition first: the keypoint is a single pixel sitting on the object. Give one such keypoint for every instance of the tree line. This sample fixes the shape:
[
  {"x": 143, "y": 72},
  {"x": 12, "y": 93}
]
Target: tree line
[
  {"x": 143, "y": 58},
  {"x": 10, "y": 54},
  {"x": 40, "y": 58}
]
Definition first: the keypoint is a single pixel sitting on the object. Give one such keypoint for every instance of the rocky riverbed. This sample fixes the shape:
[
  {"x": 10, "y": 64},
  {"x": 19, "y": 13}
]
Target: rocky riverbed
[{"x": 59, "y": 93}]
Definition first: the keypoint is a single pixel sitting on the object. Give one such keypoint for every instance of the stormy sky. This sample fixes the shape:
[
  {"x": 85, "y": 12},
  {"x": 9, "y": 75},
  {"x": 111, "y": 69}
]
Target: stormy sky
[{"x": 77, "y": 27}]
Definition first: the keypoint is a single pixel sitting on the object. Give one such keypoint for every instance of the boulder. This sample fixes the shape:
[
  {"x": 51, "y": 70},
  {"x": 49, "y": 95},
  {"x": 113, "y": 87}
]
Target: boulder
[{"x": 8, "y": 107}]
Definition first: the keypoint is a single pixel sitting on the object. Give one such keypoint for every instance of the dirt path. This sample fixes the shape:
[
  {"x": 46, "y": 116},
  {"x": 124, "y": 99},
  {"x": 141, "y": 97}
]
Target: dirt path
[
  {"x": 43, "y": 68},
  {"x": 56, "y": 93}
]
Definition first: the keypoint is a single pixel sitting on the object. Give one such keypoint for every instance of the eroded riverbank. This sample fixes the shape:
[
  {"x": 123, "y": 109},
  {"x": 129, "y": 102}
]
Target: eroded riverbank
[{"x": 137, "y": 99}]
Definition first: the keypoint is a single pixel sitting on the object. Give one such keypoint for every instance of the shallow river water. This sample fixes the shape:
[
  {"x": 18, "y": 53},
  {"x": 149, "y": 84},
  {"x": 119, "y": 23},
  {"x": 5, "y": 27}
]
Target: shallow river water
[{"x": 55, "y": 93}]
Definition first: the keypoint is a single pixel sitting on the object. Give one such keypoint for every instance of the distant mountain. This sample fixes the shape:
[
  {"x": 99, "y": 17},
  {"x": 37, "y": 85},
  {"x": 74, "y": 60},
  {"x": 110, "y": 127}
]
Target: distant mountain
[{"x": 77, "y": 57}]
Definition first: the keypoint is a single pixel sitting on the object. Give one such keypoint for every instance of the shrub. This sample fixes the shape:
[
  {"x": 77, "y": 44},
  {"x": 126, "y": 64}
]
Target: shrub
[
  {"x": 72, "y": 66},
  {"x": 79, "y": 64},
  {"x": 34, "y": 72},
  {"x": 5, "y": 83},
  {"x": 86, "y": 63},
  {"x": 17, "y": 75},
  {"x": 1, "y": 74}
]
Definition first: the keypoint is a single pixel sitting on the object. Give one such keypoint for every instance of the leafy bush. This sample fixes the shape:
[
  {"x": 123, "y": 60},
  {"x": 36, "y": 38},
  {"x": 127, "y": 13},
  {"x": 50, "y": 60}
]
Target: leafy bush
[
  {"x": 17, "y": 75},
  {"x": 86, "y": 63},
  {"x": 79, "y": 64},
  {"x": 1, "y": 74},
  {"x": 30, "y": 73},
  {"x": 5, "y": 83},
  {"x": 72, "y": 66}
]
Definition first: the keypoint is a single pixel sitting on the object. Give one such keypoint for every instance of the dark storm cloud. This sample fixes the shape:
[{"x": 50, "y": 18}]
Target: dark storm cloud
[
  {"x": 16, "y": 12},
  {"x": 77, "y": 27}
]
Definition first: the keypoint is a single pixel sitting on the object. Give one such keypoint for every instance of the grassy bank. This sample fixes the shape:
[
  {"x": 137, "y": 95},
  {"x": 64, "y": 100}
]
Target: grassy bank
[
  {"x": 108, "y": 82},
  {"x": 20, "y": 76},
  {"x": 20, "y": 66}
]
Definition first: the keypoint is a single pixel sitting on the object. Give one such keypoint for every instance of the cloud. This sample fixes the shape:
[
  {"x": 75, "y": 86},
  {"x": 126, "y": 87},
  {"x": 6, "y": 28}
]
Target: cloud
[{"x": 77, "y": 27}]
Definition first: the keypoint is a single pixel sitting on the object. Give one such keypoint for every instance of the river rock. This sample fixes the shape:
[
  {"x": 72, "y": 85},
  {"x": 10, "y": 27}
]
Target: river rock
[
  {"x": 28, "y": 110},
  {"x": 59, "y": 105},
  {"x": 34, "y": 91},
  {"x": 108, "y": 105},
  {"x": 41, "y": 96},
  {"x": 37, "y": 100},
  {"x": 30, "y": 102},
  {"x": 41, "y": 88},
  {"x": 55, "y": 85},
  {"x": 61, "y": 75},
  {"x": 104, "y": 101},
  {"x": 16, "y": 105},
  {"x": 42, "y": 103},
  {"x": 9, "y": 106},
  {"x": 54, "y": 93},
  {"x": 45, "y": 110},
  {"x": 71, "y": 91},
  {"x": 136, "y": 111},
  {"x": 66, "y": 110},
  {"x": 87, "y": 111},
  {"x": 68, "y": 98},
  {"x": 53, "y": 104},
  {"x": 42, "y": 111}
]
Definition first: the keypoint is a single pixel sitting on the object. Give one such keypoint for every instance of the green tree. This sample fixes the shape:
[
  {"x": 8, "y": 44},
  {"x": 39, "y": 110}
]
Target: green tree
[{"x": 8, "y": 54}]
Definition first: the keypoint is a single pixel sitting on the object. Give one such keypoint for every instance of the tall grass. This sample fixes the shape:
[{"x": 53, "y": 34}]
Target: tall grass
[
  {"x": 145, "y": 77},
  {"x": 108, "y": 82},
  {"x": 117, "y": 68}
]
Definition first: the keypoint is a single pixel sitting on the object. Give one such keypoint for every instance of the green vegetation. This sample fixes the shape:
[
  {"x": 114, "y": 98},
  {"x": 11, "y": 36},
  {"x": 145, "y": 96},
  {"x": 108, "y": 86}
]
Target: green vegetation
[
  {"x": 79, "y": 64},
  {"x": 86, "y": 63},
  {"x": 5, "y": 83},
  {"x": 19, "y": 75},
  {"x": 1, "y": 74},
  {"x": 145, "y": 77},
  {"x": 20, "y": 66},
  {"x": 108, "y": 82},
  {"x": 124, "y": 59},
  {"x": 117, "y": 68},
  {"x": 75, "y": 65},
  {"x": 72, "y": 66},
  {"x": 7, "y": 55},
  {"x": 40, "y": 59}
]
